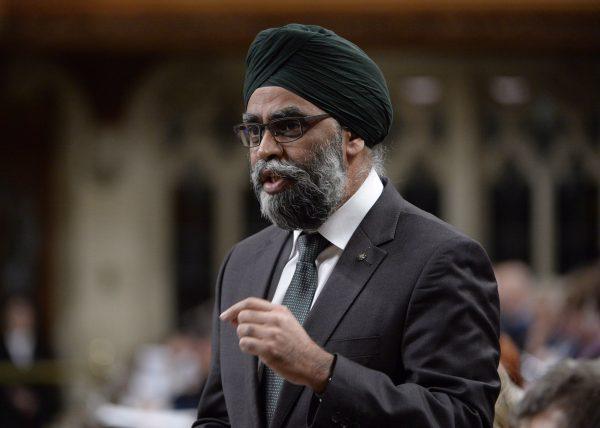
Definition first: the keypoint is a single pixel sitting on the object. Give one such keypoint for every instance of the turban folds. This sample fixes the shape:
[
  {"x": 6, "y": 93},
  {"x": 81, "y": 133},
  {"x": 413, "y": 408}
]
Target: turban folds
[{"x": 325, "y": 69}]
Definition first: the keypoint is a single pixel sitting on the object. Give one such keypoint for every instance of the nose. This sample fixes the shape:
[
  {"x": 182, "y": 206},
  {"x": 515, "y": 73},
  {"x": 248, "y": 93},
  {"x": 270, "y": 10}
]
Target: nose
[{"x": 268, "y": 147}]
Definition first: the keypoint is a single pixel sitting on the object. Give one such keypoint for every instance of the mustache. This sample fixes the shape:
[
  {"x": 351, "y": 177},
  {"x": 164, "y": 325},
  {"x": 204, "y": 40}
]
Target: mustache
[{"x": 278, "y": 168}]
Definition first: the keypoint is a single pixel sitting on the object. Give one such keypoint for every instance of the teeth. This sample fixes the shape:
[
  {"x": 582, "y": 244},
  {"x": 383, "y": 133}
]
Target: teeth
[{"x": 271, "y": 177}]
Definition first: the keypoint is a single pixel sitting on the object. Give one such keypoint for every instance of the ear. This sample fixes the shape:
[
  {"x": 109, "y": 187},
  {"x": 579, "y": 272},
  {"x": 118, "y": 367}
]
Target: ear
[{"x": 354, "y": 144}]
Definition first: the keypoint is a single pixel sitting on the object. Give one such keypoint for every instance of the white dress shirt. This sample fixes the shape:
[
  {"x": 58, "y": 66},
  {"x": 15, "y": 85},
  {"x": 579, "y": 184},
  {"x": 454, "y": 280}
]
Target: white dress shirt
[{"x": 338, "y": 229}]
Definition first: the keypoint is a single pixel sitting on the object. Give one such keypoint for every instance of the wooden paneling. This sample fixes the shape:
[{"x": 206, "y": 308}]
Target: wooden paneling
[
  {"x": 162, "y": 7},
  {"x": 529, "y": 27}
]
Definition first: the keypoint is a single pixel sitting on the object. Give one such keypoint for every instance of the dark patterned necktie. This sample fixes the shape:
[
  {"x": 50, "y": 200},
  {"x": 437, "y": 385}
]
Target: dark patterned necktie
[{"x": 298, "y": 299}]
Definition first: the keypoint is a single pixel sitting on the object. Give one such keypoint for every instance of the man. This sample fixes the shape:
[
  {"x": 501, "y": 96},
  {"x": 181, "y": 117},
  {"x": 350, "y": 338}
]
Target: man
[
  {"x": 355, "y": 308},
  {"x": 568, "y": 396}
]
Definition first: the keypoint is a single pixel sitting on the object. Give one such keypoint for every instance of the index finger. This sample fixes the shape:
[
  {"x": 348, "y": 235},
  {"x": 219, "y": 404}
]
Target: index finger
[{"x": 254, "y": 303}]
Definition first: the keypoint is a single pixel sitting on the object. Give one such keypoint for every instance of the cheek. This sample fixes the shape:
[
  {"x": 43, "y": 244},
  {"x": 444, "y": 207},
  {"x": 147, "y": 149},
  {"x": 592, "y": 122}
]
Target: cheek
[
  {"x": 301, "y": 158},
  {"x": 253, "y": 157},
  {"x": 301, "y": 153}
]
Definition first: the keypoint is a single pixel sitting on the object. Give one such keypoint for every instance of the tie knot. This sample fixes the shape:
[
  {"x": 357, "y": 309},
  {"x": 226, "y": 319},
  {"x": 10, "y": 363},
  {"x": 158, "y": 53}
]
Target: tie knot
[{"x": 310, "y": 246}]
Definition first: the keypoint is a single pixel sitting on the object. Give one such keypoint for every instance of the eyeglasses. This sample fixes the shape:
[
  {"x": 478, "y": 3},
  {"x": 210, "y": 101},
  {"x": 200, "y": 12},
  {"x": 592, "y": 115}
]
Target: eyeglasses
[{"x": 283, "y": 130}]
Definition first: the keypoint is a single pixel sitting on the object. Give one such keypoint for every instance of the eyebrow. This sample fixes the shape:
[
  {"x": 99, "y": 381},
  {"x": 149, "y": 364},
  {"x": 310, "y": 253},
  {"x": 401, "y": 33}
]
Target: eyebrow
[{"x": 290, "y": 111}]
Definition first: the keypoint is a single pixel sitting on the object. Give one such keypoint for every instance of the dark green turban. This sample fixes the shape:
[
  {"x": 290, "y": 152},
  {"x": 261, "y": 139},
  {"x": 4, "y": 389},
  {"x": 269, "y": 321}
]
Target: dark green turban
[{"x": 325, "y": 69}]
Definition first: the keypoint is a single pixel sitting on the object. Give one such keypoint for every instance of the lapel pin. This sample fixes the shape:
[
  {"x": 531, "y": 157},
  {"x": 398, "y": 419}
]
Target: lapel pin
[{"x": 361, "y": 257}]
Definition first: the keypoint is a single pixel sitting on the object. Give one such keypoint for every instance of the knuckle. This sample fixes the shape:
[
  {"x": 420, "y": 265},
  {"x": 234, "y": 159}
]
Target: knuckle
[
  {"x": 246, "y": 345},
  {"x": 244, "y": 330}
]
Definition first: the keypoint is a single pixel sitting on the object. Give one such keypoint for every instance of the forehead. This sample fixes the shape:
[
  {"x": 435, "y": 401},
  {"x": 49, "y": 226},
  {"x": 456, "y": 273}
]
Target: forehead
[{"x": 269, "y": 99}]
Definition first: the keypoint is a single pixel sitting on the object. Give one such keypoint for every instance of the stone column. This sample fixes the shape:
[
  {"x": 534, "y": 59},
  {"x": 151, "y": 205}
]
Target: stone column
[{"x": 461, "y": 200}]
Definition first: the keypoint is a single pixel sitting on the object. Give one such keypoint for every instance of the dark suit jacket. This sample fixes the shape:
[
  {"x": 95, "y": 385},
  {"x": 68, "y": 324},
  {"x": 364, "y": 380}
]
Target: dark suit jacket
[{"x": 414, "y": 327}]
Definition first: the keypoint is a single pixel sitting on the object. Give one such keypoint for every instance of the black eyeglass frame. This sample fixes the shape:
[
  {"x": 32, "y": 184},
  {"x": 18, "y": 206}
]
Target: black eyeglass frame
[{"x": 305, "y": 122}]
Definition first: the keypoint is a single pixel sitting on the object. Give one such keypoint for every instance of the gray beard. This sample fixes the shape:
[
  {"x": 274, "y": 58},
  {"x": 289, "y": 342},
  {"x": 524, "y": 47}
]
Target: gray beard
[{"x": 316, "y": 188}]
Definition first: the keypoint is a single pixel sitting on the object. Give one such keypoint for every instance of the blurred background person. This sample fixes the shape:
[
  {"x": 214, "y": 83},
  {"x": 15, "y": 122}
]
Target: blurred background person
[
  {"x": 511, "y": 382},
  {"x": 567, "y": 396},
  {"x": 510, "y": 394},
  {"x": 510, "y": 359},
  {"x": 194, "y": 345},
  {"x": 566, "y": 322},
  {"x": 516, "y": 289},
  {"x": 170, "y": 375},
  {"x": 164, "y": 381},
  {"x": 26, "y": 398},
  {"x": 580, "y": 317}
]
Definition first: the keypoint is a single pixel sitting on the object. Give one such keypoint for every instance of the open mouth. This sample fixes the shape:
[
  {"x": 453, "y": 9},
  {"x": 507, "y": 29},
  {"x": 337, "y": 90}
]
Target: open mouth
[{"x": 272, "y": 182}]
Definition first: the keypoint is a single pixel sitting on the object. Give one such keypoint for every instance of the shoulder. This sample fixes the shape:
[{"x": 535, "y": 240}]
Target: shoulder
[
  {"x": 427, "y": 228},
  {"x": 423, "y": 233},
  {"x": 444, "y": 257}
]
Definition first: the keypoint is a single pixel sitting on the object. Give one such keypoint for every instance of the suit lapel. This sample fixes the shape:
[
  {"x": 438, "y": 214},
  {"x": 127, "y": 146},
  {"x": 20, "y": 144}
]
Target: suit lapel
[
  {"x": 258, "y": 280},
  {"x": 358, "y": 262},
  {"x": 264, "y": 263},
  {"x": 355, "y": 266}
]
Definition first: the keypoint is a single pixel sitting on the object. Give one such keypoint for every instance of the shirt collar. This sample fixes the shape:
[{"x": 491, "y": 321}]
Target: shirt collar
[{"x": 340, "y": 226}]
